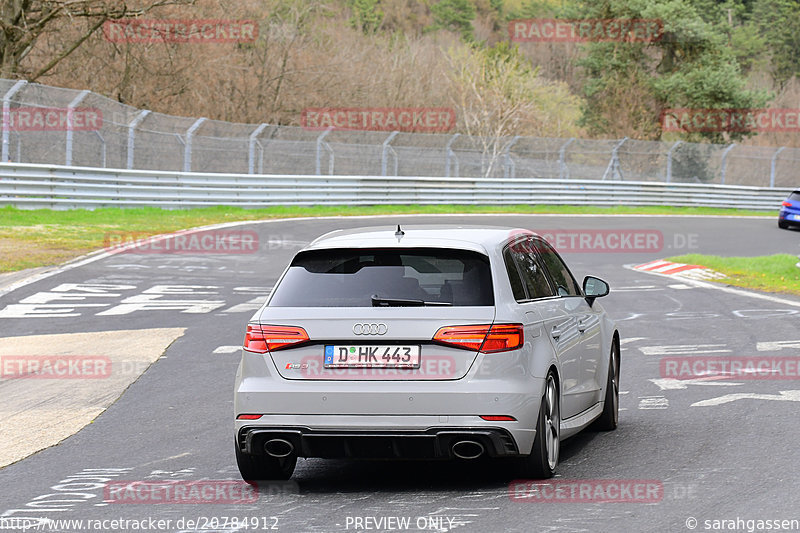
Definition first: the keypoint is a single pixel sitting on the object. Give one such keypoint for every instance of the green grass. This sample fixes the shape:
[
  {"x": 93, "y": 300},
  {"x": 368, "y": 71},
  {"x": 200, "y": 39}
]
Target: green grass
[
  {"x": 770, "y": 273},
  {"x": 41, "y": 237}
]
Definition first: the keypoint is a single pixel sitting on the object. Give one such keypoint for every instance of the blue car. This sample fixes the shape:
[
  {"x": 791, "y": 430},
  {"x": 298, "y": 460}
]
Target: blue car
[{"x": 790, "y": 211}]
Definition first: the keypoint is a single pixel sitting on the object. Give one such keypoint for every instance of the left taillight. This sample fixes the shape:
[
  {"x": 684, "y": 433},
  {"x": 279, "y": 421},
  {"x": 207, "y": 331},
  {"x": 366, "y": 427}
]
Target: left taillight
[
  {"x": 262, "y": 339},
  {"x": 786, "y": 204},
  {"x": 486, "y": 338}
]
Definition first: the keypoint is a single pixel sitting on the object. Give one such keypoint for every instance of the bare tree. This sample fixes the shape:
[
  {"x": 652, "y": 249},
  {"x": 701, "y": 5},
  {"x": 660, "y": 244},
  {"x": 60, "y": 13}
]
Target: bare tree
[
  {"x": 498, "y": 95},
  {"x": 23, "y": 22}
]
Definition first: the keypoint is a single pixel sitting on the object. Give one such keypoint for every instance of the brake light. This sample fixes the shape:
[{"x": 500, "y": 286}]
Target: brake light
[
  {"x": 786, "y": 204},
  {"x": 248, "y": 417},
  {"x": 486, "y": 338},
  {"x": 263, "y": 339},
  {"x": 498, "y": 418}
]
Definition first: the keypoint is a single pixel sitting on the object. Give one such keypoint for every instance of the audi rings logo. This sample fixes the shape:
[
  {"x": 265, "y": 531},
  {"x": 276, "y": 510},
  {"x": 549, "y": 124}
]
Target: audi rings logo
[{"x": 370, "y": 329}]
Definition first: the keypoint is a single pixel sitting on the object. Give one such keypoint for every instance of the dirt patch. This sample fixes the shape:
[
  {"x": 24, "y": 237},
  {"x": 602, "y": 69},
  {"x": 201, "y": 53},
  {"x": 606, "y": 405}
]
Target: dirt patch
[{"x": 18, "y": 254}]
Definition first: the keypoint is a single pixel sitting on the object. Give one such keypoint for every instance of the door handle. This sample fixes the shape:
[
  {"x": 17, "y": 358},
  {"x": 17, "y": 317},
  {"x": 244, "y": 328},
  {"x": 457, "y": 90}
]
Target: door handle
[
  {"x": 556, "y": 333},
  {"x": 582, "y": 325}
]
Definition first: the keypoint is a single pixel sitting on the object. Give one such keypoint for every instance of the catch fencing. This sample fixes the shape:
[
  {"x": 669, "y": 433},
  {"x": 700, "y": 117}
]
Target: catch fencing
[{"x": 124, "y": 137}]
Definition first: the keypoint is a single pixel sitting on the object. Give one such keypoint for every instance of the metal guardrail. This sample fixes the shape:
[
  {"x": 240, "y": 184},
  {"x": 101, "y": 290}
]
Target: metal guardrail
[{"x": 62, "y": 187}]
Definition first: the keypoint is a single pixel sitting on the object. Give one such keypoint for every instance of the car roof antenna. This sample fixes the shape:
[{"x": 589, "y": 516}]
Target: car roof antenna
[{"x": 399, "y": 233}]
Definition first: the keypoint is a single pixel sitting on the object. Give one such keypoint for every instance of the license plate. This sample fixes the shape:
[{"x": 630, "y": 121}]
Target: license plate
[
  {"x": 375, "y": 356},
  {"x": 794, "y": 217}
]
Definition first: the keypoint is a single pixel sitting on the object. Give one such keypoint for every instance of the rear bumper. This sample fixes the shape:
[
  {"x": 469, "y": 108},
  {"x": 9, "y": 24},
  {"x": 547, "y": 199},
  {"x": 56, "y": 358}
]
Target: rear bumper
[
  {"x": 433, "y": 443},
  {"x": 506, "y": 386},
  {"x": 785, "y": 212}
]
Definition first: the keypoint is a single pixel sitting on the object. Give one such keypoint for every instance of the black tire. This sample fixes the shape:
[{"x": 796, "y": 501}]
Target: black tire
[
  {"x": 783, "y": 225},
  {"x": 609, "y": 418},
  {"x": 261, "y": 468},
  {"x": 542, "y": 462}
]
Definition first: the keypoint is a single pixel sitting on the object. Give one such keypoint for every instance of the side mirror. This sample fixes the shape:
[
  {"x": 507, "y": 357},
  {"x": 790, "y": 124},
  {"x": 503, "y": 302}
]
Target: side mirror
[{"x": 594, "y": 288}]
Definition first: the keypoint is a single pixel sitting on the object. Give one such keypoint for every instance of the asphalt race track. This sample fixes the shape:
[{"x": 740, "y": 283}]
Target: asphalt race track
[{"x": 717, "y": 449}]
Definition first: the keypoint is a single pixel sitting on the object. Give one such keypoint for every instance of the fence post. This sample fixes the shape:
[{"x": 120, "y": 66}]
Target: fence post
[
  {"x": 103, "y": 142},
  {"x": 132, "y": 135},
  {"x": 187, "y": 149},
  {"x": 450, "y": 153},
  {"x": 772, "y": 166},
  {"x": 613, "y": 165},
  {"x": 6, "y": 111},
  {"x": 508, "y": 162},
  {"x": 384, "y": 151},
  {"x": 320, "y": 145},
  {"x": 251, "y": 154},
  {"x": 669, "y": 159},
  {"x": 724, "y": 165},
  {"x": 70, "y": 115},
  {"x": 563, "y": 170}
]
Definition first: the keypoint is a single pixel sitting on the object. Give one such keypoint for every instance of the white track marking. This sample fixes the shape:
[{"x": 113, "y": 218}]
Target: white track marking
[
  {"x": 227, "y": 349},
  {"x": 777, "y": 345},
  {"x": 725, "y": 288},
  {"x": 783, "y": 396},
  {"x": 684, "y": 349},
  {"x": 653, "y": 402},
  {"x": 681, "y": 384},
  {"x": 632, "y": 339}
]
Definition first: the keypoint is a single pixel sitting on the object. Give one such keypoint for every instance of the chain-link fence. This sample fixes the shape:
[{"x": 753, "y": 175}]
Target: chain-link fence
[{"x": 51, "y": 125}]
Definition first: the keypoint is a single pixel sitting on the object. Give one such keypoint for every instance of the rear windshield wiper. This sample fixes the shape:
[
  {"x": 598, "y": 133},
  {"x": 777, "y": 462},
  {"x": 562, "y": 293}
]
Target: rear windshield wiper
[{"x": 378, "y": 301}]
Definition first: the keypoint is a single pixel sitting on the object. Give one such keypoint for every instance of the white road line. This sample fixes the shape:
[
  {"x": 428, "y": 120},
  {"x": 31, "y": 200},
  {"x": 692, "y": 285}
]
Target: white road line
[
  {"x": 681, "y": 384},
  {"x": 653, "y": 402},
  {"x": 777, "y": 345},
  {"x": 783, "y": 396},
  {"x": 684, "y": 349},
  {"x": 632, "y": 339},
  {"x": 227, "y": 349}
]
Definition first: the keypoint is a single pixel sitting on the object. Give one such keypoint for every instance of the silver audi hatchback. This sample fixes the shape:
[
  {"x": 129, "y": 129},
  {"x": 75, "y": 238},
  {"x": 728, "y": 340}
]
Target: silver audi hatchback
[{"x": 425, "y": 342}]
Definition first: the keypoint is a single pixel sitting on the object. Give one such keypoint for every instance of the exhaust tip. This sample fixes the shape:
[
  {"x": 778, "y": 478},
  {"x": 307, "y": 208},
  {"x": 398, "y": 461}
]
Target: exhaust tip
[
  {"x": 278, "y": 448},
  {"x": 468, "y": 449}
]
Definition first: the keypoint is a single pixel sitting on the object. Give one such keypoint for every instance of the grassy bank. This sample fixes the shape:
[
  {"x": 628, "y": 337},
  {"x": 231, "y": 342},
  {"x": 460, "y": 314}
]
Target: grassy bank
[
  {"x": 771, "y": 273},
  {"x": 31, "y": 238}
]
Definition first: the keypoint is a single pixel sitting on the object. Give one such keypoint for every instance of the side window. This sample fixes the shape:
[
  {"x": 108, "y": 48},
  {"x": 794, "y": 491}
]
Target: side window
[
  {"x": 559, "y": 273},
  {"x": 513, "y": 277},
  {"x": 533, "y": 276}
]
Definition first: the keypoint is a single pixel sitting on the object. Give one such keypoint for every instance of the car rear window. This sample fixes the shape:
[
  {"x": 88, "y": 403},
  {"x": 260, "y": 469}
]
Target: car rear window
[
  {"x": 795, "y": 196},
  {"x": 350, "y": 277}
]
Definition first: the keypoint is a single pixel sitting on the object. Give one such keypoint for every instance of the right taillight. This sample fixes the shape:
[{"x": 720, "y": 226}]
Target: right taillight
[
  {"x": 486, "y": 338},
  {"x": 263, "y": 339}
]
